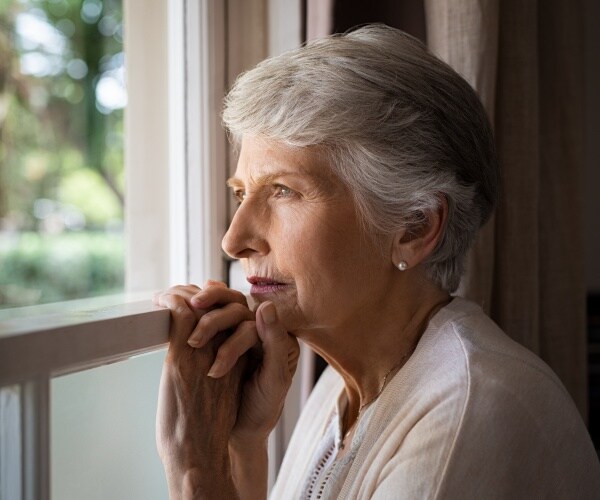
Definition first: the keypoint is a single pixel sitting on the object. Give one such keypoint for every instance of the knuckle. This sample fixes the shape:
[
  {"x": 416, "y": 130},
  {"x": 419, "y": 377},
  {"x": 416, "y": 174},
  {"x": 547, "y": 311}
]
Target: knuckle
[
  {"x": 179, "y": 307},
  {"x": 210, "y": 283},
  {"x": 226, "y": 352},
  {"x": 186, "y": 314},
  {"x": 167, "y": 299},
  {"x": 205, "y": 321},
  {"x": 233, "y": 307},
  {"x": 241, "y": 298},
  {"x": 239, "y": 310},
  {"x": 248, "y": 327}
]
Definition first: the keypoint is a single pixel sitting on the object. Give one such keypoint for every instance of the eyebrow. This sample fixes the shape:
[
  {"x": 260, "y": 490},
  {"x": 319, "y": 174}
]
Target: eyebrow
[{"x": 261, "y": 180}]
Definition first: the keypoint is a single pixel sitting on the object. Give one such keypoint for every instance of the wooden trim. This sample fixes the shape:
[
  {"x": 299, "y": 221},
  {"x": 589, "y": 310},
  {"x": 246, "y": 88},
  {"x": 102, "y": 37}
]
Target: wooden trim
[
  {"x": 205, "y": 53},
  {"x": 50, "y": 345},
  {"x": 146, "y": 145},
  {"x": 178, "y": 138}
]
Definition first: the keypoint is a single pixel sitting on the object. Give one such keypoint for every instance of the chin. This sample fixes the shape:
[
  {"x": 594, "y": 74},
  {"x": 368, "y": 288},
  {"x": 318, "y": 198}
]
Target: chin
[{"x": 288, "y": 313}]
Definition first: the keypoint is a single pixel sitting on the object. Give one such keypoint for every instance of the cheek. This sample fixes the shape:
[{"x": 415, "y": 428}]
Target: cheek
[
  {"x": 324, "y": 255},
  {"x": 309, "y": 239}
]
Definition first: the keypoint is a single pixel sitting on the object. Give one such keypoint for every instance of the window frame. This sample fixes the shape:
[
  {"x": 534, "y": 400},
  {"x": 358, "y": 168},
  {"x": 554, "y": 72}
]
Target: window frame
[{"x": 180, "y": 70}]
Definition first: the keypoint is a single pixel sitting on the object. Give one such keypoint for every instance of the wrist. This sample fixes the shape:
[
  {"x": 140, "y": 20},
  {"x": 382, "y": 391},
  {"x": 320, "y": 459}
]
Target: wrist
[
  {"x": 249, "y": 468},
  {"x": 211, "y": 481},
  {"x": 247, "y": 443},
  {"x": 246, "y": 452},
  {"x": 200, "y": 485}
]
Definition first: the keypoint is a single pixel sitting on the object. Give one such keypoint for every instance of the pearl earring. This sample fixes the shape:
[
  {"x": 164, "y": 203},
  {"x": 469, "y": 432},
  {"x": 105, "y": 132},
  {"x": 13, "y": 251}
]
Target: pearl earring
[{"x": 402, "y": 265}]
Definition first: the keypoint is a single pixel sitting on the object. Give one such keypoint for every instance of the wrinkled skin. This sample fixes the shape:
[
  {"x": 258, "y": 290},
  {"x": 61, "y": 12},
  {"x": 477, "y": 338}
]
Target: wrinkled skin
[{"x": 220, "y": 368}]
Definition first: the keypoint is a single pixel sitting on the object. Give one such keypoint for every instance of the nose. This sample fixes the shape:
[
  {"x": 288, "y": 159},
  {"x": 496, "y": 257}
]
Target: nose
[{"x": 246, "y": 233}]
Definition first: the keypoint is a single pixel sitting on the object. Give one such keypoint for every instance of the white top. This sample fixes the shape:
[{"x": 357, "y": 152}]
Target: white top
[
  {"x": 472, "y": 414},
  {"x": 328, "y": 472}
]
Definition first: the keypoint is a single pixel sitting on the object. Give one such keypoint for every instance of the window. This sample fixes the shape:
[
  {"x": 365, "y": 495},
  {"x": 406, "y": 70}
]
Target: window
[
  {"x": 176, "y": 72},
  {"x": 37, "y": 403}
]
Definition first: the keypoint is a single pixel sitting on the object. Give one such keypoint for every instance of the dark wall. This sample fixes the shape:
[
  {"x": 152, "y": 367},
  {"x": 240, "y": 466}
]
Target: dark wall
[{"x": 407, "y": 15}]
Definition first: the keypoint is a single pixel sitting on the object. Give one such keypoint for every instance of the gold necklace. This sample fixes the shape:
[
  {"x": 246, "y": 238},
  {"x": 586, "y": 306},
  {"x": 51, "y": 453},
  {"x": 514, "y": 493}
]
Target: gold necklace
[
  {"x": 383, "y": 384},
  {"x": 431, "y": 313},
  {"x": 381, "y": 388}
]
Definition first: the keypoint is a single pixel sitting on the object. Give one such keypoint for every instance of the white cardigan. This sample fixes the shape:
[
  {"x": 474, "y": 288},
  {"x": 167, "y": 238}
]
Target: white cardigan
[{"x": 472, "y": 414}]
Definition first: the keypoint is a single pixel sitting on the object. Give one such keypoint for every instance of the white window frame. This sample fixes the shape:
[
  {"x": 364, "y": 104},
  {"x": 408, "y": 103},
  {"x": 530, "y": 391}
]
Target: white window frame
[
  {"x": 175, "y": 69},
  {"x": 180, "y": 59}
]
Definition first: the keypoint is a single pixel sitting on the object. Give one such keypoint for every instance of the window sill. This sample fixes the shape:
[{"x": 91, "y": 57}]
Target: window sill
[{"x": 56, "y": 339}]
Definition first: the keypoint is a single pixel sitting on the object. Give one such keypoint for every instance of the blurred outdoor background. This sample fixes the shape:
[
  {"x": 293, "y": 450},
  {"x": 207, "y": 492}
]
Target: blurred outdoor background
[{"x": 62, "y": 95}]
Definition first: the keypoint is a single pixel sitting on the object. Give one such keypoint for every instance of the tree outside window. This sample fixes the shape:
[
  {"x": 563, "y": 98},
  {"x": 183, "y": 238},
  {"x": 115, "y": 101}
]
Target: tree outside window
[{"x": 62, "y": 94}]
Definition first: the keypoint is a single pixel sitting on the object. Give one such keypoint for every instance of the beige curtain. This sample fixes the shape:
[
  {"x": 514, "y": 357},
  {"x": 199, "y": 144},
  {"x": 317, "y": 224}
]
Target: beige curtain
[
  {"x": 526, "y": 269},
  {"x": 319, "y": 18}
]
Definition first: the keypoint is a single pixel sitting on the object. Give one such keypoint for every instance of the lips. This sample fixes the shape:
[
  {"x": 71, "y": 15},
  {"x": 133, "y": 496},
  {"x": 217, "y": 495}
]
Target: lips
[{"x": 263, "y": 285}]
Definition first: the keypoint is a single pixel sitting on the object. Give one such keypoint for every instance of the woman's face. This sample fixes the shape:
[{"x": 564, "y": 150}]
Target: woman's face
[{"x": 299, "y": 238}]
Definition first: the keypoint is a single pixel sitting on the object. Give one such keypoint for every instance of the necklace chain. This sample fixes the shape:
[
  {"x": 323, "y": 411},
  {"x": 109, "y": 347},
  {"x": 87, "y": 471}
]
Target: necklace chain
[
  {"x": 382, "y": 386},
  {"x": 432, "y": 312}
]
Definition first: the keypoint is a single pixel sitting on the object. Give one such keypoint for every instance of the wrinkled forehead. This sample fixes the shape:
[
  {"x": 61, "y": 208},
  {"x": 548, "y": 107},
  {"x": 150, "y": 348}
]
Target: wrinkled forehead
[{"x": 264, "y": 158}]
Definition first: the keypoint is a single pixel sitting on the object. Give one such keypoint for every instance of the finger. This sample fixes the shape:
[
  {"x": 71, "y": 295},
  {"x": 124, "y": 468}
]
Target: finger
[
  {"x": 276, "y": 343},
  {"x": 210, "y": 283},
  {"x": 242, "y": 340},
  {"x": 184, "y": 291},
  {"x": 212, "y": 295},
  {"x": 218, "y": 320},
  {"x": 183, "y": 317}
]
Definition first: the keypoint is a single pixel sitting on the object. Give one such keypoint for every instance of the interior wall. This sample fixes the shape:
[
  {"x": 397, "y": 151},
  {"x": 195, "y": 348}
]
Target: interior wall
[
  {"x": 408, "y": 15},
  {"x": 592, "y": 147}
]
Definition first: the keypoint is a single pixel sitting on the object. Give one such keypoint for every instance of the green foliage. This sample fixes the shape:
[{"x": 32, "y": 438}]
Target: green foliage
[
  {"x": 85, "y": 189},
  {"x": 61, "y": 150},
  {"x": 51, "y": 118},
  {"x": 36, "y": 268}
]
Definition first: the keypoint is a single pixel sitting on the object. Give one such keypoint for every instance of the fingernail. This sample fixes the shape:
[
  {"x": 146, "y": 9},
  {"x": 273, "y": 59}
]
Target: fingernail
[
  {"x": 269, "y": 314},
  {"x": 196, "y": 340},
  {"x": 193, "y": 342},
  {"x": 216, "y": 369}
]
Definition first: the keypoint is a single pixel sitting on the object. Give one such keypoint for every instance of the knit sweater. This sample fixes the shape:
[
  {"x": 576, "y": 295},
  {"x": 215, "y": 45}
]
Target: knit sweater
[{"x": 472, "y": 414}]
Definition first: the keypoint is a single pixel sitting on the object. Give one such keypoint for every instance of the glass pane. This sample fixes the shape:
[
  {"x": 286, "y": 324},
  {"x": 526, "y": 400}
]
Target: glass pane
[
  {"x": 102, "y": 433},
  {"x": 62, "y": 95},
  {"x": 10, "y": 442}
]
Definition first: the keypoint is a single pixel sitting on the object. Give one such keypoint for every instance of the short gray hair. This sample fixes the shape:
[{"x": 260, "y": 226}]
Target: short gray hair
[{"x": 400, "y": 127}]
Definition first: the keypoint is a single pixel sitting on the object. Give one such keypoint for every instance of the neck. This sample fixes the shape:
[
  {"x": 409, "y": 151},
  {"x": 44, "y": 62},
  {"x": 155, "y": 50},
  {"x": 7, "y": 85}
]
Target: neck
[{"x": 369, "y": 349}]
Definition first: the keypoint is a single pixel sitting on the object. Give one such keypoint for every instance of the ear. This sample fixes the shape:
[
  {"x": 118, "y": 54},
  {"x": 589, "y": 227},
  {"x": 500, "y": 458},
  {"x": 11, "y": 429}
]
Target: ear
[{"x": 414, "y": 245}]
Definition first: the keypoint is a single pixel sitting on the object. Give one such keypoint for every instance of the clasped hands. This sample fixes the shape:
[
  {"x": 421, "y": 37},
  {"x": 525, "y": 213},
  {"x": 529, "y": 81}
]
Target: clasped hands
[{"x": 222, "y": 390}]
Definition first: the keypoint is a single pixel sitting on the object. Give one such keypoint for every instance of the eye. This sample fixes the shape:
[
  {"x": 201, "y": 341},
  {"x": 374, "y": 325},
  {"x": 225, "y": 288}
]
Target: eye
[
  {"x": 281, "y": 191},
  {"x": 239, "y": 195}
]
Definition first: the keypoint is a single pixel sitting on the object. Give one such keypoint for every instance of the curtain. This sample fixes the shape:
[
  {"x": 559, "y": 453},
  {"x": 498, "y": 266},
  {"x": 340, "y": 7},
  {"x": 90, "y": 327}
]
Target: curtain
[{"x": 525, "y": 60}]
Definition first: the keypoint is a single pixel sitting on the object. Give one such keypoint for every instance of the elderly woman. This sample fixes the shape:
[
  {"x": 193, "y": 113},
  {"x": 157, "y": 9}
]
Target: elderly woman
[{"x": 366, "y": 168}]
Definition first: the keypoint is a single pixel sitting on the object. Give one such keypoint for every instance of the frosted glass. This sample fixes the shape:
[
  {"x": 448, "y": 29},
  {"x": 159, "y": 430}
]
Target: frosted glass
[
  {"x": 10, "y": 442},
  {"x": 102, "y": 433}
]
